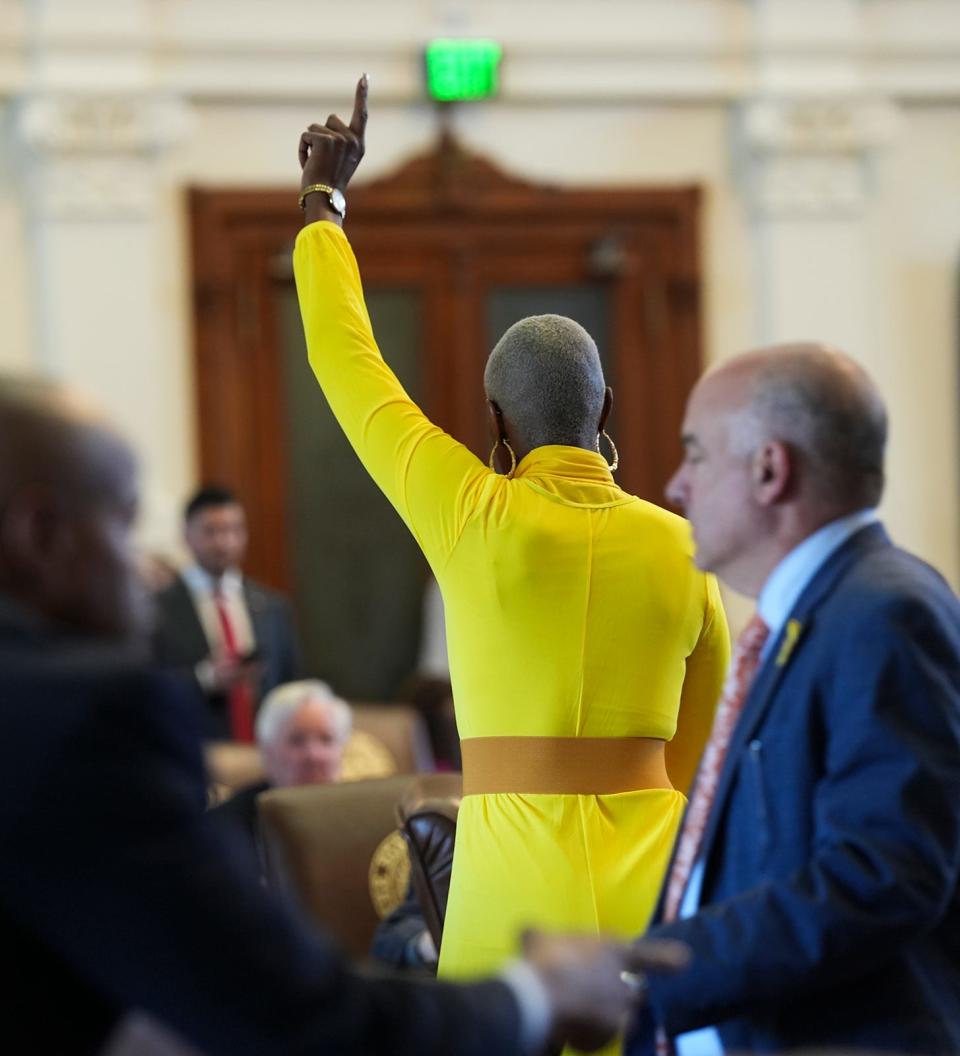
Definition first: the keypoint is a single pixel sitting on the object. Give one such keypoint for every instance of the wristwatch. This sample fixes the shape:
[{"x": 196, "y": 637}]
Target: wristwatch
[{"x": 334, "y": 196}]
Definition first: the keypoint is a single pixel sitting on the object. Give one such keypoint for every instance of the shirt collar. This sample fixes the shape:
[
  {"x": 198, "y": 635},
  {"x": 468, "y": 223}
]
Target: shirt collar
[
  {"x": 560, "y": 460},
  {"x": 790, "y": 578},
  {"x": 199, "y": 581}
]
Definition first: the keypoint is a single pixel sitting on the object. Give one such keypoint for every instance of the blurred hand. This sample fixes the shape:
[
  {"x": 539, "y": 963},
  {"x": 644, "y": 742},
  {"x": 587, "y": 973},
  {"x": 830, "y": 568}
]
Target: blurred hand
[
  {"x": 584, "y": 976},
  {"x": 228, "y": 671},
  {"x": 330, "y": 153},
  {"x": 426, "y": 948}
]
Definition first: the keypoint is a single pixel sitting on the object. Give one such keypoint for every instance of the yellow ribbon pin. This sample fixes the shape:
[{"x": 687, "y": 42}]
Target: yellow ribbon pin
[{"x": 791, "y": 635}]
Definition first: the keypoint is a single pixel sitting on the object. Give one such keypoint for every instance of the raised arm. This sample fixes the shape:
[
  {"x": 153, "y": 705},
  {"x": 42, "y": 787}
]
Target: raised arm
[{"x": 430, "y": 478}]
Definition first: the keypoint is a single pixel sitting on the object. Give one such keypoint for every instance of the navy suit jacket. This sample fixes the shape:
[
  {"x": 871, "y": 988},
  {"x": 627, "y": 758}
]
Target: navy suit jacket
[
  {"x": 180, "y": 643},
  {"x": 117, "y": 893},
  {"x": 829, "y": 911}
]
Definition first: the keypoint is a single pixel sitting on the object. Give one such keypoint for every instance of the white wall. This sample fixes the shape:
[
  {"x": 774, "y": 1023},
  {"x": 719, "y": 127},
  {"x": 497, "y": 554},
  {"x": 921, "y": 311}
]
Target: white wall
[
  {"x": 913, "y": 243},
  {"x": 828, "y": 149},
  {"x": 16, "y": 346}
]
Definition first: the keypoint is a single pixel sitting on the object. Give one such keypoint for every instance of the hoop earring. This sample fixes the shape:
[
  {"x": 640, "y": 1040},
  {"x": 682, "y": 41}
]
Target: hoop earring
[
  {"x": 491, "y": 461},
  {"x": 612, "y": 466}
]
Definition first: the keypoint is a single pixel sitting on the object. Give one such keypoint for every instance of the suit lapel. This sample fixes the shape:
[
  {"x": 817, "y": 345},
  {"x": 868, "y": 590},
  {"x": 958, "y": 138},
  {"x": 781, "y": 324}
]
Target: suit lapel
[
  {"x": 188, "y": 620},
  {"x": 778, "y": 660},
  {"x": 257, "y": 608}
]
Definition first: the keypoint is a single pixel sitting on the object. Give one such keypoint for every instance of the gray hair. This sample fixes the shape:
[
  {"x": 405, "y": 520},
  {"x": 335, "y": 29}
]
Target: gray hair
[
  {"x": 281, "y": 703},
  {"x": 827, "y": 408},
  {"x": 546, "y": 377}
]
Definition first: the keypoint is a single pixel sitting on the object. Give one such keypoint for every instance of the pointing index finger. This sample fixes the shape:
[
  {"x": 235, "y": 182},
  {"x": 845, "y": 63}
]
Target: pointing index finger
[{"x": 358, "y": 122}]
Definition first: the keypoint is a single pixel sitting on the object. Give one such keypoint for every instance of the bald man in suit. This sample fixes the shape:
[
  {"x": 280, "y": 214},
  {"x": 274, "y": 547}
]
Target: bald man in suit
[{"x": 816, "y": 874}]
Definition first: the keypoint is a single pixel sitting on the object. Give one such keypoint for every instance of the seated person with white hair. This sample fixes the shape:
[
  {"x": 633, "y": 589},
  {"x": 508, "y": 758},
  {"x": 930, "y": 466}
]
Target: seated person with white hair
[{"x": 302, "y": 729}]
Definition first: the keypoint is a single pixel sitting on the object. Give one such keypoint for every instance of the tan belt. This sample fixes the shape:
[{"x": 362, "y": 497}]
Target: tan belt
[{"x": 562, "y": 765}]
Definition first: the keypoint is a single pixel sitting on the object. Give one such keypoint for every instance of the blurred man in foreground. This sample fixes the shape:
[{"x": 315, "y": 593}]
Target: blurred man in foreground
[
  {"x": 816, "y": 873},
  {"x": 116, "y": 892}
]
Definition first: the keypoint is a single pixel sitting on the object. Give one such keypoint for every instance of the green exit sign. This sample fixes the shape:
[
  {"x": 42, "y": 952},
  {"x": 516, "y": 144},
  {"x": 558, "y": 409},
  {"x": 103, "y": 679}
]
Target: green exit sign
[{"x": 462, "y": 69}]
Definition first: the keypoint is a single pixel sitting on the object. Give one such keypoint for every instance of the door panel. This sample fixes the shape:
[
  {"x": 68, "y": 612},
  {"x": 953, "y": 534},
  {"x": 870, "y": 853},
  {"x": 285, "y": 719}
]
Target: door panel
[{"x": 358, "y": 575}]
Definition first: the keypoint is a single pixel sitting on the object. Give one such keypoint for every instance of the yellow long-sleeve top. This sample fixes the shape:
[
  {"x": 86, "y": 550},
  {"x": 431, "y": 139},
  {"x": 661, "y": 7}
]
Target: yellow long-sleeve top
[{"x": 573, "y": 610}]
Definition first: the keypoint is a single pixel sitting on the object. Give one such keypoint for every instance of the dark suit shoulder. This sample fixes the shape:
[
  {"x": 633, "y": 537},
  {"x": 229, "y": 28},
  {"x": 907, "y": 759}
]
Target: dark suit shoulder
[
  {"x": 239, "y": 812},
  {"x": 67, "y": 673},
  {"x": 889, "y": 587},
  {"x": 264, "y": 597},
  {"x": 179, "y": 640},
  {"x": 95, "y": 716},
  {"x": 892, "y": 570},
  {"x": 176, "y": 592}
]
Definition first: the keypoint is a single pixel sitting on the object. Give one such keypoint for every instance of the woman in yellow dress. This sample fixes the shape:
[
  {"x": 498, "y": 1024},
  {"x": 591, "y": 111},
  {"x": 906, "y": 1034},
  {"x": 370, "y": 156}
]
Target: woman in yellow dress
[{"x": 586, "y": 651}]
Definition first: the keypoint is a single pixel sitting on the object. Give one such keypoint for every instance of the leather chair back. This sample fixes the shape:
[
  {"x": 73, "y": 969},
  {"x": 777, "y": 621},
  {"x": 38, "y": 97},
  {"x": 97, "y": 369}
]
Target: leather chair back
[
  {"x": 334, "y": 849},
  {"x": 401, "y": 730}
]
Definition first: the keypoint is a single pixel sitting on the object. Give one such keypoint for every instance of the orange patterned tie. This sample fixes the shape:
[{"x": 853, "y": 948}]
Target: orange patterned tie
[{"x": 743, "y": 667}]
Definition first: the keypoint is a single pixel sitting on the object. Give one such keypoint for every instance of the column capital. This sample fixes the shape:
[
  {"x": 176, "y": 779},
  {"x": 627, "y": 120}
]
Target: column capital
[
  {"x": 95, "y": 154},
  {"x": 810, "y": 156}
]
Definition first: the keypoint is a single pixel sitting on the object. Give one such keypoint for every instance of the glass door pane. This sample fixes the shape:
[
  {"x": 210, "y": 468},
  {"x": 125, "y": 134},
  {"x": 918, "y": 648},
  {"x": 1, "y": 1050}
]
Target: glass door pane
[{"x": 358, "y": 575}]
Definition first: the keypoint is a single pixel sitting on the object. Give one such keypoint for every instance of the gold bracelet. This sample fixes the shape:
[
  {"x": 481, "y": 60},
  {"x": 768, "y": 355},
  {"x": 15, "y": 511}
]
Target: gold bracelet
[{"x": 311, "y": 189}]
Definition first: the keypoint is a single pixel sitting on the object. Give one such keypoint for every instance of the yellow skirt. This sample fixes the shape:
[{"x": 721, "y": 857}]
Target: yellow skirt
[{"x": 591, "y": 863}]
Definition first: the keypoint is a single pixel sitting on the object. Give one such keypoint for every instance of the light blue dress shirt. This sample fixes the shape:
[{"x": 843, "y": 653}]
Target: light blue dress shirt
[{"x": 780, "y": 593}]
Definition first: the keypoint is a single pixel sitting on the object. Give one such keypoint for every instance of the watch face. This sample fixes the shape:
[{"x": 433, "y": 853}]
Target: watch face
[{"x": 338, "y": 201}]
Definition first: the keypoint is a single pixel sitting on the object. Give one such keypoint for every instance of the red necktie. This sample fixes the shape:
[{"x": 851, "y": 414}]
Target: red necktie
[
  {"x": 239, "y": 695},
  {"x": 743, "y": 666}
]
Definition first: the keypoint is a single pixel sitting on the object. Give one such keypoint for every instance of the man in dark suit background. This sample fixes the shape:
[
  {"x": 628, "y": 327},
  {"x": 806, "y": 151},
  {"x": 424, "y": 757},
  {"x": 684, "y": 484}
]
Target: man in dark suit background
[
  {"x": 235, "y": 635},
  {"x": 116, "y": 893},
  {"x": 816, "y": 874}
]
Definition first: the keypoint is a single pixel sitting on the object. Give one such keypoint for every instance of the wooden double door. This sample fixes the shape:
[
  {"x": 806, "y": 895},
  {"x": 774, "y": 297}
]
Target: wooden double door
[{"x": 452, "y": 251}]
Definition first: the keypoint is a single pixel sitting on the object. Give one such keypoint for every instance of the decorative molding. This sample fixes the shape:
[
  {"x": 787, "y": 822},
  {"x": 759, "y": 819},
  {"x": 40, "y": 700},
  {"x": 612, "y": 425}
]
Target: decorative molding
[
  {"x": 819, "y": 125},
  {"x": 448, "y": 177},
  {"x": 808, "y": 186},
  {"x": 810, "y": 157},
  {"x": 101, "y": 124},
  {"x": 93, "y": 187},
  {"x": 641, "y": 50},
  {"x": 94, "y": 156}
]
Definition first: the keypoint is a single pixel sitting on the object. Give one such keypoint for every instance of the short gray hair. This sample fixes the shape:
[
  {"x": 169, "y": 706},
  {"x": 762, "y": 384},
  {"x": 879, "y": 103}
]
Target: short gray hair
[
  {"x": 546, "y": 377},
  {"x": 825, "y": 405},
  {"x": 280, "y": 704}
]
